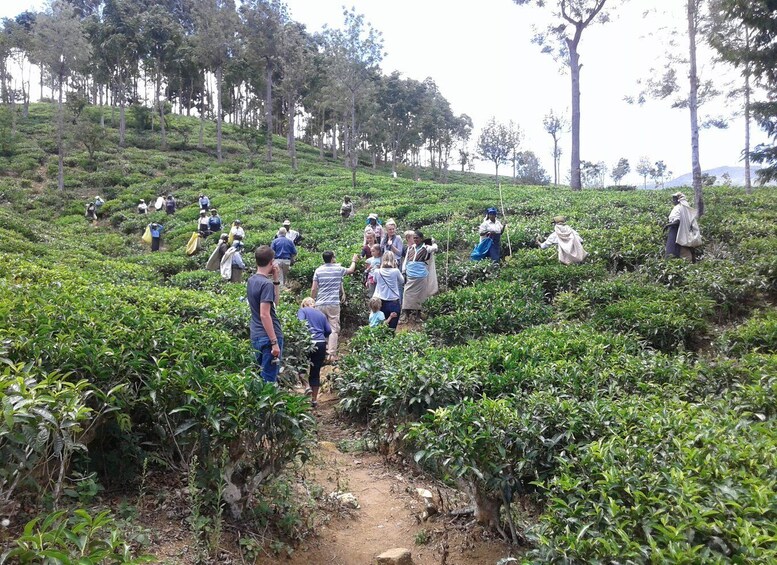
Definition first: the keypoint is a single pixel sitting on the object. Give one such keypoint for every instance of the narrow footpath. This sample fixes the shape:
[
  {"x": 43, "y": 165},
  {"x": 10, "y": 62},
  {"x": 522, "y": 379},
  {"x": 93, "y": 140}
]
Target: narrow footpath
[{"x": 391, "y": 512}]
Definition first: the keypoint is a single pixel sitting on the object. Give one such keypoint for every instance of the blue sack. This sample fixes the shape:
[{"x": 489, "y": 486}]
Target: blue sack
[{"x": 481, "y": 250}]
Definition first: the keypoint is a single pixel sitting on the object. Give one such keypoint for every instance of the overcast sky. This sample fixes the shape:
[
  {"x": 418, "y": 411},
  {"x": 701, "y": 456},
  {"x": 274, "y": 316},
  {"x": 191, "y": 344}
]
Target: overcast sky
[{"x": 482, "y": 58}]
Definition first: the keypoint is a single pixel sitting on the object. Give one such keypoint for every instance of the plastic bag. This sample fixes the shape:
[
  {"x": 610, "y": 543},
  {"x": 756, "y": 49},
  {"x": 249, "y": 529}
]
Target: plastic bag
[{"x": 147, "y": 235}]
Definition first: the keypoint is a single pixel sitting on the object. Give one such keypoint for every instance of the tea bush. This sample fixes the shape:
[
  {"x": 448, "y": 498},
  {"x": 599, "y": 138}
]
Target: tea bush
[
  {"x": 700, "y": 493},
  {"x": 759, "y": 334}
]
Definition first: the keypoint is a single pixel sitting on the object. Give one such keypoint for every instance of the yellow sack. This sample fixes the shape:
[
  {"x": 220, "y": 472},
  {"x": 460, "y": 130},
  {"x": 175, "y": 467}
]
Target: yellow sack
[
  {"x": 194, "y": 244},
  {"x": 231, "y": 235},
  {"x": 147, "y": 235}
]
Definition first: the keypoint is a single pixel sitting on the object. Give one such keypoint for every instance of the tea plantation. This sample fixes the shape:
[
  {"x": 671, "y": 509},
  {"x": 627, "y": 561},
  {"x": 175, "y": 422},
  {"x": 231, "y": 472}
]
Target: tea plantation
[{"x": 632, "y": 399}]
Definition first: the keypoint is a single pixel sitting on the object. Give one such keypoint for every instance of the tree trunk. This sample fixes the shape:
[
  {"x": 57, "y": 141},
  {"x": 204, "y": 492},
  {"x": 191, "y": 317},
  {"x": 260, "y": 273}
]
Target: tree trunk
[
  {"x": 102, "y": 109},
  {"x": 693, "y": 106},
  {"x": 353, "y": 150},
  {"x": 290, "y": 140},
  {"x": 268, "y": 109},
  {"x": 60, "y": 144},
  {"x": 574, "y": 68},
  {"x": 748, "y": 181},
  {"x": 201, "y": 141},
  {"x": 219, "y": 78},
  {"x": 160, "y": 107},
  {"x": 334, "y": 140}
]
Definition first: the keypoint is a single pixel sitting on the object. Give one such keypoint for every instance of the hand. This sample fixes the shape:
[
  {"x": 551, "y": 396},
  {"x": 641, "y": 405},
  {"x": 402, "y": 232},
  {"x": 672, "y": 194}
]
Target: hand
[
  {"x": 275, "y": 351},
  {"x": 355, "y": 257},
  {"x": 275, "y": 271},
  {"x": 392, "y": 315}
]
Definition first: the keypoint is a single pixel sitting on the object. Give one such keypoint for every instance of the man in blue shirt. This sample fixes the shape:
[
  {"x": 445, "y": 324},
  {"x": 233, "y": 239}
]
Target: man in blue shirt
[
  {"x": 263, "y": 293},
  {"x": 285, "y": 252},
  {"x": 204, "y": 202}
]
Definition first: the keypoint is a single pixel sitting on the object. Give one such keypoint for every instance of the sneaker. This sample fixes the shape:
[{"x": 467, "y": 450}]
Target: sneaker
[
  {"x": 308, "y": 391},
  {"x": 314, "y": 404}
]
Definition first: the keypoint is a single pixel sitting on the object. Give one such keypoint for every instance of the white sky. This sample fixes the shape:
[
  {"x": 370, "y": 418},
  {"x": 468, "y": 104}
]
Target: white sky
[{"x": 482, "y": 58}]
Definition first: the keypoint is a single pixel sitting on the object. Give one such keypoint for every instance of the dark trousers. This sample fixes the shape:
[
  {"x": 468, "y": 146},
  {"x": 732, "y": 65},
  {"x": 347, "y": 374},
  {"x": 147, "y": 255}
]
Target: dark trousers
[
  {"x": 155, "y": 243},
  {"x": 317, "y": 357},
  {"x": 389, "y": 306}
]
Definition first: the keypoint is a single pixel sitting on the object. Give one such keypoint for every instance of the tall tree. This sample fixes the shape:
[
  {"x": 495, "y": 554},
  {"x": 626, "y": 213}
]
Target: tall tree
[
  {"x": 265, "y": 28},
  {"x": 355, "y": 53},
  {"x": 63, "y": 48},
  {"x": 530, "y": 170},
  {"x": 761, "y": 55},
  {"x": 643, "y": 169},
  {"x": 620, "y": 170},
  {"x": 119, "y": 45},
  {"x": 515, "y": 143},
  {"x": 572, "y": 17},
  {"x": 216, "y": 24},
  {"x": 495, "y": 144},
  {"x": 731, "y": 36},
  {"x": 162, "y": 36},
  {"x": 554, "y": 125},
  {"x": 296, "y": 55},
  {"x": 665, "y": 85}
]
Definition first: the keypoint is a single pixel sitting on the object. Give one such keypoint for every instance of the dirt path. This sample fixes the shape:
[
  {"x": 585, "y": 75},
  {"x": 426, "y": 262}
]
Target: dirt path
[{"x": 390, "y": 510}]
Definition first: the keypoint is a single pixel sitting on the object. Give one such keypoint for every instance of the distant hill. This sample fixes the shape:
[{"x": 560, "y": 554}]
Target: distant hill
[{"x": 737, "y": 175}]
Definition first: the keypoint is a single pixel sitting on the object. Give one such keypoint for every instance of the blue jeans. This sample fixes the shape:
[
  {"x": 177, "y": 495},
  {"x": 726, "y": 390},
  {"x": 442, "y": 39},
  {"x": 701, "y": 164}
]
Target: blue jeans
[{"x": 270, "y": 366}]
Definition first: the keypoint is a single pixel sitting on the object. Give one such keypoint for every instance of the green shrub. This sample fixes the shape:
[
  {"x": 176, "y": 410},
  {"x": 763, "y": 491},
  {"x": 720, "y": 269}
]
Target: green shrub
[
  {"x": 758, "y": 334},
  {"x": 71, "y": 539},
  {"x": 701, "y": 492}
]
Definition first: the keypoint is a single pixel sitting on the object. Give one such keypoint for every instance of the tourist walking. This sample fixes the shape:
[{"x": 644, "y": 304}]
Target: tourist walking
[
  {"x": 285, "y": 252},
  {"x": 327, "y": 280},
  {"x": 388, "y": 288},
  {"x": 262, "y": 291},
  {"x": 320, "y": 330}
]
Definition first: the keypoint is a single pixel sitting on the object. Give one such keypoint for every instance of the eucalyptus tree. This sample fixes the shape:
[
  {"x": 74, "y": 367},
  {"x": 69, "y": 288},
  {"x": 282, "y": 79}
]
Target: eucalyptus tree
[
  {"x": 495, "y": 144},
  {"x": 554, "y": 125},
  {"x": 118, "y": 42},
  {"x": 62, "y": 48},
  {"x": 162, "y": 36},
  {"x": 643, "y": 169},
  {"x": 732, "y": 36},
  {"x": 572, "y": 17},
  {"x": 296, "y": 55},
  {"x": 216, "y": 24},
  {"x": 16, "y": 38},
  {"x": 264, "y": 25},
  {"x": 354, "y": 54},
  {"x": 401, "y": 102},
  {"x": 756, "y": 57},
  {"x": 620, "y": 170},
  {"x": 530, "y": 170},
  {"x": 515, "y": 142}
]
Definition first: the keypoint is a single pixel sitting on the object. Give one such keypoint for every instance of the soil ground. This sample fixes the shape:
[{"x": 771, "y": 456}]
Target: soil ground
[{"x": 390, "y": 512}]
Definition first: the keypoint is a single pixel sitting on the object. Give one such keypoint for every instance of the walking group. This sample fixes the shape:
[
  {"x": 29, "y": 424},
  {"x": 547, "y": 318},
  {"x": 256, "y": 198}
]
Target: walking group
[{"x": 399, "y": 274}]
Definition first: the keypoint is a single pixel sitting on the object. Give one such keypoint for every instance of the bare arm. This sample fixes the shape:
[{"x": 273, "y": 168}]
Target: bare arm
[
  {"x": 352, "y": 269},
  {"x": 314, "y": 290},
  {"x": 266, "y": 319}
]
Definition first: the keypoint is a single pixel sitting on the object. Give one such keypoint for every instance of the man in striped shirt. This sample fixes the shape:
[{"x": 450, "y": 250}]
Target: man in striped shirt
[{"x": 327, "y": 280}]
